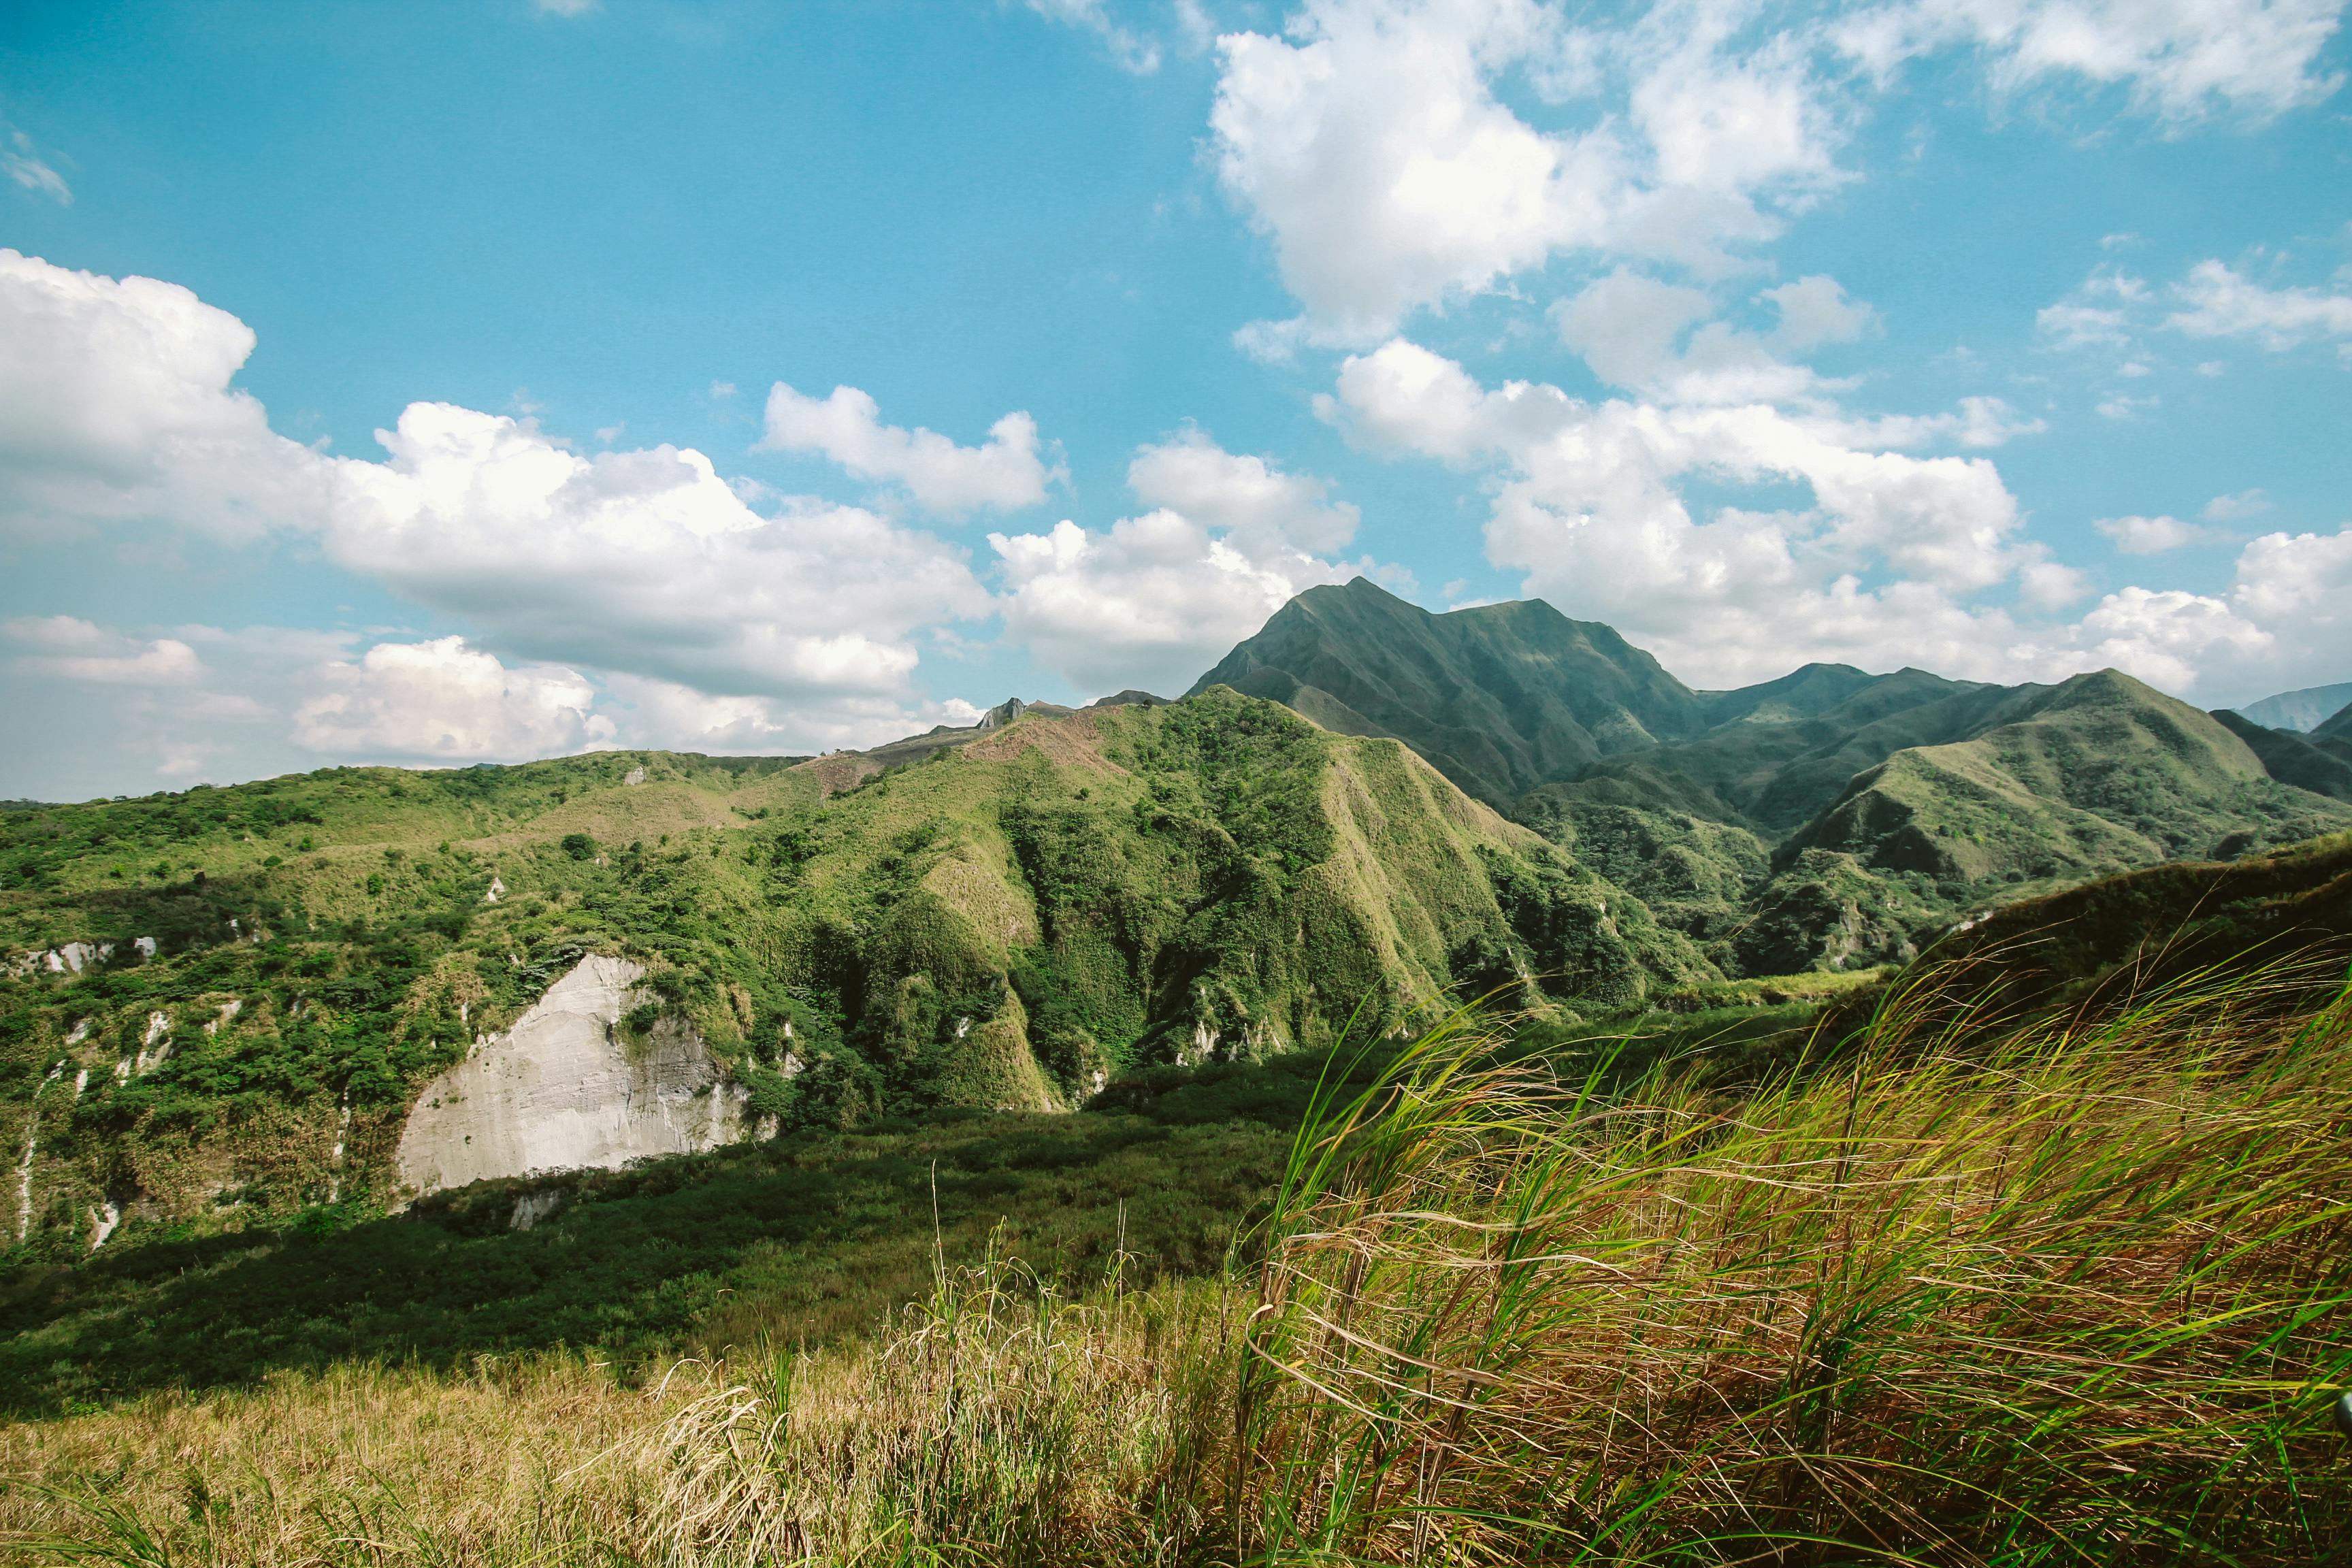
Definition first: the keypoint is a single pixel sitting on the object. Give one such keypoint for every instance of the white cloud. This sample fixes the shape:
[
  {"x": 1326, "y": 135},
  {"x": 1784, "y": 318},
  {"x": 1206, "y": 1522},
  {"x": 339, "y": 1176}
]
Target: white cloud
[
  {"x": 945, "y": 480},
  {"x": 642, "y": 562},
  {"x": 22, "y": 161},
  {"x": 1815, "y": 311},
  {"x": 2180, "y": 59},
  {"x": 2149, "y": 535},
  {"x": 1892, "y": 563},
  {"x": 443, "y": 701},
  {"x": 1155, "y": 599},
  {"x": 1369, "y": 147},
  {"x": 1627, "y": 326},
  {"x": 2217, "y": 302},
  {"x": 1131, "y": 51},
  {"x": 1260, "y": 509},
  {"x": 2232, "y": 508},
  {"x": 1877, "y": 566},
  {"x": 75, "y": 649},
  {"x": 2120, "y": 406},
  {"x": 2099, "y": 312},
  {"x": 2171, "y": 639},
  {"x": 115, "y": 405}
]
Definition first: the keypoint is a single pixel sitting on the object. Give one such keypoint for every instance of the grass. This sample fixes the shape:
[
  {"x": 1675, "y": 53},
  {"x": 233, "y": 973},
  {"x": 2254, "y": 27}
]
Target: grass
[{"x": 2071, "y": 1295}]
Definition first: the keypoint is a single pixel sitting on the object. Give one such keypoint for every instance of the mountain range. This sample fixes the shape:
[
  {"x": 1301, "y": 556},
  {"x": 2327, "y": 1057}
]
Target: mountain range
[
  {"x": 1826, "y": 817},
  {"x": 359, "y": 985}
]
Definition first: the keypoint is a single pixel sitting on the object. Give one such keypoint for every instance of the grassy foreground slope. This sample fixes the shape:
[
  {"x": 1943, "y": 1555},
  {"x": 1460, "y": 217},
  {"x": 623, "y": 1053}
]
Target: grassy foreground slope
[
  {"x": 2079, "y": 1294},
  {"x": 1004, "y": 923}
]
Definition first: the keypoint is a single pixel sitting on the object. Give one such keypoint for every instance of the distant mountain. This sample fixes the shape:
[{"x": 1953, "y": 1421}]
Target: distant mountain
[
  {"x": 1830, "y": 816},
  {"x": 1499, "y": 698},
  {"x": 2301, "y": 711},
  {"x": 2338, "y": 727}
]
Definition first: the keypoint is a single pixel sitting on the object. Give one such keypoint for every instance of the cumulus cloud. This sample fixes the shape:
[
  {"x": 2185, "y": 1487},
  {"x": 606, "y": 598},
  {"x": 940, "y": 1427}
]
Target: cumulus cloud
[
  {"x": 2211, "y": 300},
  {"x": 443, "y": 701},
  {"x": 1369, "y": 143},
  {"x": 1879, "y": 568},
  {"x": 641, "y": 562},
  {"x": 1003, "y": 474},
  {"x": 1154, "y": 599},
  {"x": 2231, "y": 509},
  {"x": 2149, "y": 535},
  {"x": 1893, "y": 560},
  {"x": 115, "y": 405},
  {"x": 1815, "y": 311},
  {"x": 75, "y": 649}
]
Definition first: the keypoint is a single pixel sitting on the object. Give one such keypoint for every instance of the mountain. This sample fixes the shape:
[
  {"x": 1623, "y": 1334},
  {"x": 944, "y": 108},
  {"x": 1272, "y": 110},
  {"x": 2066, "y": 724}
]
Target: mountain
[
  {"x": 1499, "y": 698},
  {"x": 2335, "y": 729},
  {"x": 2303, "y": 710},
  {"x": 331, "y": 987},
  {"x": 2323, "y": 766},
  {"x": 1827, "y": 818}
]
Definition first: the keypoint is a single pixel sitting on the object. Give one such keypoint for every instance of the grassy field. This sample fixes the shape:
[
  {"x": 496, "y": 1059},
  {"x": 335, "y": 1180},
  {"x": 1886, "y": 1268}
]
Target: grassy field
[{"x": 2073, "y": 1295}]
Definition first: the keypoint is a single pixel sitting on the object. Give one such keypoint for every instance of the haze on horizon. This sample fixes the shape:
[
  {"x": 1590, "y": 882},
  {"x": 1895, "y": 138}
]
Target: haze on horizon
[{"x": 452, "y": 384}]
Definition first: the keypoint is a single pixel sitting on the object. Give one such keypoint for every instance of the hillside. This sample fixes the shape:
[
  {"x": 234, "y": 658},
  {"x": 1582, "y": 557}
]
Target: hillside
[{"x": 244, "y": 1001}]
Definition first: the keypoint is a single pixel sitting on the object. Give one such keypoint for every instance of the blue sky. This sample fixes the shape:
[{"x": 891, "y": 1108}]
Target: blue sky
[{"x": 774, "y": 378}]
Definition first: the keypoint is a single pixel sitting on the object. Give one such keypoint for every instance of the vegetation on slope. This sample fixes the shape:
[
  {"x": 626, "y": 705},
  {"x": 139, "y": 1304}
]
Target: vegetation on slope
[
  {"x": 2076, "y": 1294},
  {"x": 1827, "y": 819},
  {"x": 1499, "y": 698},
  {"x": 1004, "y": 923}
]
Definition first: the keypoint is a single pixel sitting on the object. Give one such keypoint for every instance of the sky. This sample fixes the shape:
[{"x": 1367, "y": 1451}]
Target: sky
[{"x": 460, "y": 382}]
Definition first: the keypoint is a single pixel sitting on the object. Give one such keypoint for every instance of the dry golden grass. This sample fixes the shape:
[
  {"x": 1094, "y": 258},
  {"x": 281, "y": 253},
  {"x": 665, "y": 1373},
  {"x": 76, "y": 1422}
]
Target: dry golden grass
[{"x": 990, "y": 1416}]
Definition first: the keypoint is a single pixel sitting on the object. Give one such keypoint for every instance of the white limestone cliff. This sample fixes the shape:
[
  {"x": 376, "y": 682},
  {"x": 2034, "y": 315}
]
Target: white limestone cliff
[{"x": 562, "y": 1090}]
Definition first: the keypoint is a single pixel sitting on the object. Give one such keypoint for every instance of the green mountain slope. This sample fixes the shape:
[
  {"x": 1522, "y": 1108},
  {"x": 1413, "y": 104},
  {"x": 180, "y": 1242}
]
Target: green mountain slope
[
  {"x": 1500, "y": 699},
  {"x": 2097, "y": 776},
  {"x": 2336, "y": 728},
  {"x": 1828, "y": 817},
  {"x": 1002, "y": 923}
]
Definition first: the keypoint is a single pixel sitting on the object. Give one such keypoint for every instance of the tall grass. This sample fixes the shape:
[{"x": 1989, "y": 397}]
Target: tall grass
[
  {"x": 2071, "y": 1295},
  {"x": 2076, "y": 1295}
]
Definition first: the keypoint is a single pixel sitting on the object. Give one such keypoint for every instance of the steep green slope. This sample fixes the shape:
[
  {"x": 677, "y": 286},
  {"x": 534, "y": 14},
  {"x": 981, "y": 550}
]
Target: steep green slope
[
  {"x": 1827, "y": 818},
  {"x": 2337, "y": 728},
  {"x": 1002, "y": 923},
  {"x": 1500, "y": 698},
  {"x": 1769, "y": 765},
  {"x": 2097, "y": 776}
]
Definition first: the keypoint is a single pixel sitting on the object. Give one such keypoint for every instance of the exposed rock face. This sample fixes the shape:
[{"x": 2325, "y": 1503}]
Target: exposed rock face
[{"x": 564, "y": 1091}]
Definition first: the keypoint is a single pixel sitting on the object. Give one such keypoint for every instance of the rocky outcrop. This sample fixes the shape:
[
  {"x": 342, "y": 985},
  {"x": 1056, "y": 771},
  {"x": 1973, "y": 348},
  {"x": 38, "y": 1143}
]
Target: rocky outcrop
[{"x": 564, "y": 1090}]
